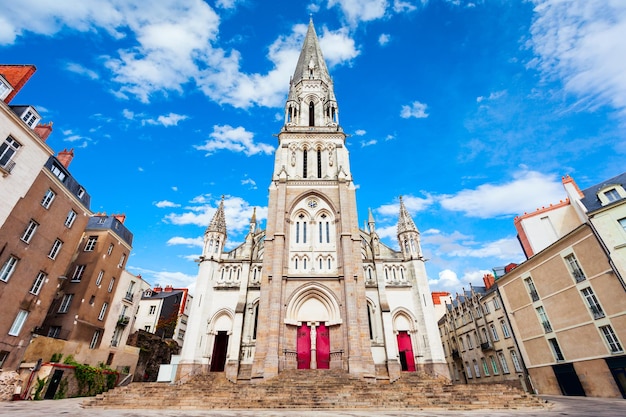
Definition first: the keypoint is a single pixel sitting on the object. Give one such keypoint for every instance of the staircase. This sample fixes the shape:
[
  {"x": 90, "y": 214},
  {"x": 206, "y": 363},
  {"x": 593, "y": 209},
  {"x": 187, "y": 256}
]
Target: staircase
[{"x": 315, "y": 389}]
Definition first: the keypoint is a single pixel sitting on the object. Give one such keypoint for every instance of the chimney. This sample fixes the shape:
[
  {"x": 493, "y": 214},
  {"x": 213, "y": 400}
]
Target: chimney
[
  {"x": 65, "y": 157},
  {"x": 157, "y": 289},
  {"x": 120, "y": 217},
  {"x": 489, "y": 281},
  {"x": 168, "y": 288},
  {"x": 43, "y": 130}
]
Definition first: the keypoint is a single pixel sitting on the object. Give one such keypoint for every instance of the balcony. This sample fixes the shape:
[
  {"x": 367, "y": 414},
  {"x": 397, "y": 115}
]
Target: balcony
[
  {"x": 486, "y": 346},
  {"x": 579, "y": 276},
  {"x": 547, "y": 327},
  {"x": 534, "y": 295},
  {"x": 123, "y": 321},
  {"x": 6, "y": 167},
  {"x": 128, "y": 297},
  {"x": 596, "y": 311}
]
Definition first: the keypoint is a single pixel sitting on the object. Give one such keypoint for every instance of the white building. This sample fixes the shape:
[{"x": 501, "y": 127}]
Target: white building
[
  {"x": 164, "y": 311},
  {"x": 312, "y": 290}
]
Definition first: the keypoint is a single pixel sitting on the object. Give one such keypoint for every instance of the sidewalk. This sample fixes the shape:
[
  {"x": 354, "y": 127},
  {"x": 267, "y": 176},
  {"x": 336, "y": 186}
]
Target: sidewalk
[{"x": 570, "y": 406}]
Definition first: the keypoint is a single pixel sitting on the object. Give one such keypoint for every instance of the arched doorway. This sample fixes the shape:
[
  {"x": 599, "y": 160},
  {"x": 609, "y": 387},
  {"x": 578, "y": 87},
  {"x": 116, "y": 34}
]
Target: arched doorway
[
  {"x": 403, "y": 328},
  {"x": 221, "y": 328}
]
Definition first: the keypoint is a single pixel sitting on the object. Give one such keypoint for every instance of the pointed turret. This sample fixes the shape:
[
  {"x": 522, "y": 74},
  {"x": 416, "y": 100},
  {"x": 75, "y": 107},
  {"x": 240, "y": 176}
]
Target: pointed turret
[
  {"x": 311, "y": 100},
  {"x": 408, "y": 235},
  {"x": 370, "y": 221},
  {"x": 215, "y": 234},
  {"x": 253, "y": 222}
]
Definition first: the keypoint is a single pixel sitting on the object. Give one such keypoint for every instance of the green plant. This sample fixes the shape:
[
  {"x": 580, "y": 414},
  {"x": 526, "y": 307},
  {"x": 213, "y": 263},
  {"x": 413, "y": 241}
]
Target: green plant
[
  {"x": 56, "y": 357},
  {"x": 41, "y": 383},
  {"x": 69, "y": 360},
  {"x": 62, "y": 390}
]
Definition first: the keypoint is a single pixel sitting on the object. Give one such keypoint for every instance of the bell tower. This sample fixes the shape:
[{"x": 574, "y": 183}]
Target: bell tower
[{"x": 312, "y": 288}]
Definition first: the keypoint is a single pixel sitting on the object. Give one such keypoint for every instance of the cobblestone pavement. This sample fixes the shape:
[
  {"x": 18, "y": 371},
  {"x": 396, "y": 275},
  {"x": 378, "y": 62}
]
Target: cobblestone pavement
[{"x": 559, "y": 406}]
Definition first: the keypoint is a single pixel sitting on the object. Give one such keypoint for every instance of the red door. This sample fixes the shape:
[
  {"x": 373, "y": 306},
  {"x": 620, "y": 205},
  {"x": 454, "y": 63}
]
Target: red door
[
  {"x": 323, "y": 347},
  {"x": 406, "y": 352},
  {"x": 304, "y": 347}
]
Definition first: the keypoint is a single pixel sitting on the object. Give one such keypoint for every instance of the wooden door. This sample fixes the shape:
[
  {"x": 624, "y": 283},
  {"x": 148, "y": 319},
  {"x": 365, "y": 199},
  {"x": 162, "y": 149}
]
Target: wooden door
[
  {"x": 405, "y": 348},
  {"x": 304, "y": 347},
  {"x": 220, "y": 348},
  {"x": 323, "y": 347}
]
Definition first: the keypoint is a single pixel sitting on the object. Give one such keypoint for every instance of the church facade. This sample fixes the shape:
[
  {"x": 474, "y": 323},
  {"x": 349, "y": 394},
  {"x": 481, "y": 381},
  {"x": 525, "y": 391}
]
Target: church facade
[{"x": 312, "y": 290}]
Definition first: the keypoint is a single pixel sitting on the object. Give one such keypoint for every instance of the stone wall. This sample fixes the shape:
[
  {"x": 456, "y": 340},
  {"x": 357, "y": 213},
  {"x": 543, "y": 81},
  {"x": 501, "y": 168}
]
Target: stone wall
[
  {"x": 154, "y": 351},
  {"x": 9, "y": 381}
]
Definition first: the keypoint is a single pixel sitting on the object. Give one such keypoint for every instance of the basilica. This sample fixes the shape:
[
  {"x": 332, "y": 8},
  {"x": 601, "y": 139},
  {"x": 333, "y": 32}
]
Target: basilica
[{"x": 312, "y": 290}]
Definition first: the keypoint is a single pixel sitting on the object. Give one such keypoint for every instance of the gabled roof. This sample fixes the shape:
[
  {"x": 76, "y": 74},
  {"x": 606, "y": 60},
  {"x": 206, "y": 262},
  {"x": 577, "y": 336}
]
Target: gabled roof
[
  {"x": 17, "y": 76},
  {"x": 591, "y": 200}
]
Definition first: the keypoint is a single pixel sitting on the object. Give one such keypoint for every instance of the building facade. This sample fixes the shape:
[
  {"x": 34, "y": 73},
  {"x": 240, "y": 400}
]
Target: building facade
[
  {"x": 567, "y": 302},
  {"x": 164, "y": 312},
  {"x": 312, "y": 290},
  {"x": 478, "y": 340}
]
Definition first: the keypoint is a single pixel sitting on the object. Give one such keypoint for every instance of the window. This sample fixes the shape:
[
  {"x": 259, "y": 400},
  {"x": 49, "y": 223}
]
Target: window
[
  {"x": 81, "y": 192},
  {"x": 574, "y": 268},
  {"x": 94, "y": 339},
  {"x": 111, "y": 284},
  {"x": 468, "y": 370},
  {"x": 78, "y": 273},
  {"x": 122, "y": 260},
  {"x": 152, "y": 309},
  {"x": 543, "y": 318},
  {"x": 41, "y": 278},
  {"x": 146, "y": 328},
  {"x": 65, "y": 303},
  {"x": 485, "y": 366},
  {"x": 47, "y": 198},
  {"x": 470, "y": 345},
  {"x": 99, "y": 279},
  {"x": 496, "y": 303},
  {"x": 7, "y": 150},
  {"x": 305, "y": 154},
  {"x": 494, "y": 365},
  {"x": 181, "y": 334},
  {"x": 505, "y": 329},
  {"x": 592, "y": 303},
  {"x": 18, "y": 323},
  {"x": 486, "y": 307},
  {"x": 612, "y": 195},
  {"x": 476, "y": 368},
  {"x": 103, "y": 311},
  {"x": 530, "y": 285},
  {"x": 516, "y": 362},
  {"x": 30, "y": 231},
  {"x": 622, "y": 223},
  {"x": 55, "y": 249},
  {"x": 54, "y": 331},
  {"x": 69, "y": 220},
  {"x": 556, "y": 350},
  {"x": 58, "y": 172},
  {"x": 129, "y": 291},
  {"x": 91, "y": 243},
  {"x": 319, "y": 163},
  {"x": 611, "y": 339},
  {"x": 494, "y": 332},
  {"x": 8, "y": 268},
  {"x": 110, "y": 250},
  {"x": 505, "y": 366},
  {"x": 461, "y": 344},
  {"x": 29, "y": 118},
  {"x": 4, "y": 354}
]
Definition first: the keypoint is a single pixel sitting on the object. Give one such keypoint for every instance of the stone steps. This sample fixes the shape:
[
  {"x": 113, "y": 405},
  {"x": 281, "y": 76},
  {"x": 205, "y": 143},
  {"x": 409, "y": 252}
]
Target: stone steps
[{"x": 311, "y": 389}]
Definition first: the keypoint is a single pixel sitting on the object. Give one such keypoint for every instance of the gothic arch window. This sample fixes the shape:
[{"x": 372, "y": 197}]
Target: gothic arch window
[
  {"x": 304, "y": 263},
  {"x": 305, "y": 155},
  {"x": 393, "y": 273},
  {"x": 311, "y": 114},
  {"x": 329, "y": 262},
  {"x": 319, "y": 163},
  {"x": 386, "y": 274},
  {"x": 222, "y": 275},
  {"x": 295, "y": 261},
  {"x": 370, "y": 320},
  {"x": 402, "y": 274},
  {"x": 256, "y": 321},
  {"x": 321, "y": 262}
]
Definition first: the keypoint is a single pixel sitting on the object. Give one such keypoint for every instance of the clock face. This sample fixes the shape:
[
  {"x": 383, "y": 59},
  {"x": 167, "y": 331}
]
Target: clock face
[{"x": 312, "y": 203}]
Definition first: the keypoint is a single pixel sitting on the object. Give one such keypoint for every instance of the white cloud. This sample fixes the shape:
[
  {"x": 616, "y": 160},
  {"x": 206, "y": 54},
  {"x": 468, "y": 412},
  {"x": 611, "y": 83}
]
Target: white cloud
[
  {"x": 81, "y": 70},
  {"x": 171, "y": 119},
  {"x": 166, "y": 203},
  {"x": 493, "y": 96},
  {"x": 338, "y": 46},
  {"x": 526, "y": 192},
  {"x": 128, "y": 114},
  {"x": 227, "y": 4},
  {"x": 447, "y": 280},
  {"x": 357, "y": 11},
  {"x": 233, "y": 139},
  {"x": 186, "y": 241},
  {"x": 506, "y": 249},
  {"x": 250, "y": 182},
  {"x": 236, "y": 210},
  {"x": 360, "y": 132},
  {"x": 368, "y": 143},
  {"x": 400, "y": 6},
  {"x": 412, "y": 204},
  {"x": 163, "y": 278},
  {"x": 416, "y": 109},
  {"x": 384, "y": 39},
  {"x": 581, "y": 43}
]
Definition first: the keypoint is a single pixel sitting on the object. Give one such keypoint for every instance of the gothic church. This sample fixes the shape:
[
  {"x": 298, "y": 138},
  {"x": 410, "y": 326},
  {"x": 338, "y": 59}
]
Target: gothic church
[{"x": 312, "y": 291}]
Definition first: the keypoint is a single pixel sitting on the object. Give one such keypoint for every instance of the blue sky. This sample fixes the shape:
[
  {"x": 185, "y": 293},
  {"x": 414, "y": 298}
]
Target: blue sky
[{"x": 472, "y": 110}]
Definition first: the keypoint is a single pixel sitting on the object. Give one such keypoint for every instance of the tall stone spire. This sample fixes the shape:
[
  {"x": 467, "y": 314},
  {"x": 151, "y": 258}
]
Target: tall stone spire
[
  {"x": 311, "y": 100},
  {"x": 218, "y": 222},
  {"x": 408, "y": 235},
  {"x": 405, "y": 222}
]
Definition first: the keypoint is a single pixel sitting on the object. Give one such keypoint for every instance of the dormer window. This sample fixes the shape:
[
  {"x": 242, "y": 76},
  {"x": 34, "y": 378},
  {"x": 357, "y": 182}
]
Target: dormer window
[
  {"x": 58, "y": 172},
  {"x": 611, "y": 193},
  {"x": 30, "y": 117},
  {"x": 5, "y": 88}
]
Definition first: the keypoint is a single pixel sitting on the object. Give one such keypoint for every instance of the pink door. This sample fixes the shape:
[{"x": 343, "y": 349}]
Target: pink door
[
  {"x": 304, "y": 347},
  {"x": 405, "y": 348},
  {"x": 323, "y": 347}
]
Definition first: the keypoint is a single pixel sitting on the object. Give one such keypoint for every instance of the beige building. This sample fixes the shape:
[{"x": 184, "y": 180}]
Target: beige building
[
  {"x": 312, "y": 290},
  {"x": 567, "y": 302},
  {"x": 478, "y": 340}
]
